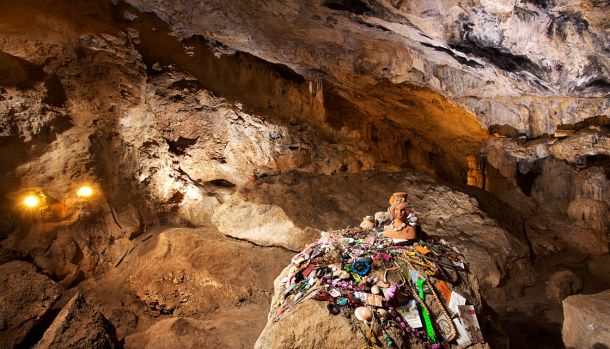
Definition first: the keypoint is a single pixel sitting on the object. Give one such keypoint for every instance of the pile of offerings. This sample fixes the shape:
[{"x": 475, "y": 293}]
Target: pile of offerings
[{"x": 395, "y": 292}]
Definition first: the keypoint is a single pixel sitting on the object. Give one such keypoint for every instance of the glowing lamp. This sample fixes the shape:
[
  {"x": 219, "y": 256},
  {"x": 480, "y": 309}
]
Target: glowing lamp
[
  {"x": 84, "y": 191},
  {"x": 31, "y": 201}
]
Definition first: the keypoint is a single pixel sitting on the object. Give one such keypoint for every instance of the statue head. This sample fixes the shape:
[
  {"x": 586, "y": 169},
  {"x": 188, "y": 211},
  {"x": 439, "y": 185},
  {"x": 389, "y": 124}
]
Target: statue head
[{"x": 400, "y": 211}]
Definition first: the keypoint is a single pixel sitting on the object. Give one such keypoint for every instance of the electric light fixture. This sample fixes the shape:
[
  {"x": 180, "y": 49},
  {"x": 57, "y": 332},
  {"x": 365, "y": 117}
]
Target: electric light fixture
[
  {"x": 84, "y": 192},
  {"x": 31, "y": 201}
]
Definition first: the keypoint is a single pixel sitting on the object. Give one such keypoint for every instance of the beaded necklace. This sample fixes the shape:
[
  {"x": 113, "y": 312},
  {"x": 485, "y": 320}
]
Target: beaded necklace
[{"x": 402, "y": 226}]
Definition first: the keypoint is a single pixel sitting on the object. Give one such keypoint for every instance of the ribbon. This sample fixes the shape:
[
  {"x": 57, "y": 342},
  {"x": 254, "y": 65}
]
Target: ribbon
[{"x": 429, "y": 328}]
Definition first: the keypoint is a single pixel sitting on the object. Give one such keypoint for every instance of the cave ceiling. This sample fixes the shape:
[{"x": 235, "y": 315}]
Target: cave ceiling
[
  {"x": 417, "y": 82},
  {"x": 435, "y": 74}
]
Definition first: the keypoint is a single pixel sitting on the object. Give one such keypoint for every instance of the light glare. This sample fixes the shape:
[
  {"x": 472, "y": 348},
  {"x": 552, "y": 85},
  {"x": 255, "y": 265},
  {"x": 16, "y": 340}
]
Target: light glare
[
  {"x": 31, "y": 201},
  {"x": 84, "y": 191}
]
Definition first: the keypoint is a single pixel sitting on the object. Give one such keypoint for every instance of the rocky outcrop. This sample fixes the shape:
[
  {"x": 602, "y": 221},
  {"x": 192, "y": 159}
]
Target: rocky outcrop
[
  {"x": 589, "y": 141},
  {"x": 443, "y": 212},
  {"x": 26, "y": 304},
  {"x": 310, "y": 325},
  {"x": 586, "y": 321},
  {"x": 79, "y": 326},
  {"x": 561, "y": 195},
  {"x": 262, "y": 224},
  {"x": 533, "y": 66}
]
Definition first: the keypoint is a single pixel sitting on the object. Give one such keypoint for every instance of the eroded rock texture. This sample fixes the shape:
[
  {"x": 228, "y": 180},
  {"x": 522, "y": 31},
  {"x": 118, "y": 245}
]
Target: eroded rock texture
[
  {"x": 78, "y": 325},
  {"x": 198, "y": 114},
  {"x": 586, "y": 321},
  {"x": 25, "y": 303},
  {"x": 529, "y": 65}
]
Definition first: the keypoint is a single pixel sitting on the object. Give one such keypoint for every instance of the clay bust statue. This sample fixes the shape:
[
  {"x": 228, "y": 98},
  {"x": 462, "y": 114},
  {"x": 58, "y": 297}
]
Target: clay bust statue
[{"x": 399, "y": 229}]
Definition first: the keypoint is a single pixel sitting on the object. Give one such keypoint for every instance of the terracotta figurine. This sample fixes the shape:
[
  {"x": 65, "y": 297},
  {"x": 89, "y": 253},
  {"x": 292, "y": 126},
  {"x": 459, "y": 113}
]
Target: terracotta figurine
[{"x": 400, "y": 229}]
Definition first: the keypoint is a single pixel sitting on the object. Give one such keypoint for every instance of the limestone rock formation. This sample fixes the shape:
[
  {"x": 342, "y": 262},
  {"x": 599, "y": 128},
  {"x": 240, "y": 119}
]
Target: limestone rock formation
[
  {"x": 443, "y": 213},
  {"x": 530, "y": 65},
  {"x": 589, "y": 141},
  {"x": 26, "y": 303},
  {"x": 563, "y": 284},
  {"x": 79, "y": 326},
  {"x": 562, "y": 201},
  {"x": 195, "y": 113},
  {"x": 586, "y": 321}
]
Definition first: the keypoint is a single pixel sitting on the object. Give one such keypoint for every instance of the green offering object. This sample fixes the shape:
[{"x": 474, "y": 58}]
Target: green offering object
[{"x": 426, "y": 316}]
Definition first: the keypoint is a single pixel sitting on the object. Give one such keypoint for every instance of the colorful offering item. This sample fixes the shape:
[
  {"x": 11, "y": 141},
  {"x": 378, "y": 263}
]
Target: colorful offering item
[{"x": 400, "y": 293}]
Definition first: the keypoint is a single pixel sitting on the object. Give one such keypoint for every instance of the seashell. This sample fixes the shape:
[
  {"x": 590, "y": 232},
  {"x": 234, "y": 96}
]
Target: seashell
[
  {"x": 367, "y": 225},
  {"x": 334, "y": 293},
  {"x": 375, "y": 289},
  {"x": 344, "y": 275},
  {"x": 363, "y": 314},
  {"x": 383, "y": 313}
]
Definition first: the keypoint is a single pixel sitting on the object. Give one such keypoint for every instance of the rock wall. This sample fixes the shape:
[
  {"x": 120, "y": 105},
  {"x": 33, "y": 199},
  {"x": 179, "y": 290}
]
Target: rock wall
[
  {"x": 184, "y": 113},
  {"x": 532, "y": 65}
]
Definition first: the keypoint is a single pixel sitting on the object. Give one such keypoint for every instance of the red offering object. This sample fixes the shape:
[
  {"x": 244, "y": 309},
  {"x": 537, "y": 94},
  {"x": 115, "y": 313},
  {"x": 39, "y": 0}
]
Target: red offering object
[{"x": 308, "y": 270}]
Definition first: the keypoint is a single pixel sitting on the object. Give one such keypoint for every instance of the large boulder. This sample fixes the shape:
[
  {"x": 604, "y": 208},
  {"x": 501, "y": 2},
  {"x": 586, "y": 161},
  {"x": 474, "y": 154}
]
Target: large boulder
[
  {"x": 310, "y": 325},
  {"x": 586, "y": 323},
  {"x": 79, "y": 326},
  {"x": 26, "y": 303},
  {"x": 491, "y": 250},
  {"x": 262, "y": 224},
  {"x": 299, "y": 322}
]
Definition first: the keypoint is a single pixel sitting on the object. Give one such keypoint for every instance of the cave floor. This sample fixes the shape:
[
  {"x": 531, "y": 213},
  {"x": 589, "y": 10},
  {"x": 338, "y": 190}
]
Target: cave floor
[
  {"x": 214, "y": 284},
  {"x": 134, "y": 295}
]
